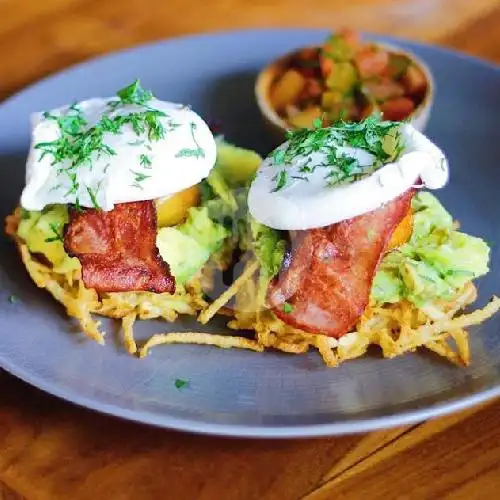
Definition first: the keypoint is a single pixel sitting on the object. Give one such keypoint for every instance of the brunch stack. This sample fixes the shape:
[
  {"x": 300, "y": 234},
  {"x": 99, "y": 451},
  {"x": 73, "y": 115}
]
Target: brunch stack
[{"x": 131, "y": 206}]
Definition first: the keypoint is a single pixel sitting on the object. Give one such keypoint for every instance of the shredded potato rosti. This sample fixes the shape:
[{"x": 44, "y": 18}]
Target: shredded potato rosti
[{"x": 395, "y": 328}]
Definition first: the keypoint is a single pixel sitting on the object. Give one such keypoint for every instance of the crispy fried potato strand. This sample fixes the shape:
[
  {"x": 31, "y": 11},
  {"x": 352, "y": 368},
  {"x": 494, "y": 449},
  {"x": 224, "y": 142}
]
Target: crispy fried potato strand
[
  {"x": 223, "y": 341},
  {"x": 223, "y": 299},
  {"x": 395, "y": 328},
  {"x": 128, "y": 332}
]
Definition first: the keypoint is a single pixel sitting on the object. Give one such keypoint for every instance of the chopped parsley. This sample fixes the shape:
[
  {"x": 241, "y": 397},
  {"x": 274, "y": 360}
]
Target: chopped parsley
[
  {"x": 287, "y": 308},
  {"x": 196, "y": 152},
  {"x": 93, "y": 197},
  {"x": 24, "y": 213},
  {"x": 57, "y": 231},
  {"x": 138, "y": 178},
  {"x": 137, "y": 142},
  {"x": 134, "y": 94},
  {"x": 281, "y": 180},
  {"x": 145, "y": 161},
  {"x": 181, "y": 383},
  {"x": 381, "y": 139},
  {"x": 79, "y": 144}
]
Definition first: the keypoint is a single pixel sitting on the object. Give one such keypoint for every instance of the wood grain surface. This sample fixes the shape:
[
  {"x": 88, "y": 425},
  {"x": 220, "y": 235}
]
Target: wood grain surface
[{"x": 51, "y": 450}]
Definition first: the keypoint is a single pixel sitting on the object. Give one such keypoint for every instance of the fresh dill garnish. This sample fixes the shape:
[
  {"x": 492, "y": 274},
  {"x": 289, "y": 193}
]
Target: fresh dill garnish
[
  {"x": 197, "y": 152},
  {"x": 145, "y": 161},
  {"x": 134, "y": 94},
  {"x": 279, "y": 156},
  {"x": 287, "y": 308},
  {"x": 24, "y": 213},
  {"x": 137, "y": 142},
  {"x": 77, "y": 205},
  {"x": 181, "y": 383},
  {"x": 56, "y": 229},
  {"x": 281, "y": 180},
  {"x": 71, "y": 122},
  {"x": 93, "y": 197},
  {"x": 79, "y": 144},
  {"x": 317, "y": 123},
  {"x": 329, "y": 144},
  {"x": 138, "y": 178}
]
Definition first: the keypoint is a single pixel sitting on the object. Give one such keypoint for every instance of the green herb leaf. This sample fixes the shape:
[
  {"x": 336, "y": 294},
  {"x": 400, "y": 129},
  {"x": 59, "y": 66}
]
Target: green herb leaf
[
  {"x": 278, "y": 156},
  {"x": 137, "y": 142},
  {"x": 145, "y": 161},
  {"x": 197, "y": 152},
  {"x": 369, "y": 135},
  {"x": 287, "y": 308},
  {"x": 139, "y": 176},
  {"x": 181, "y": 383},
  {"x": 12, "y": 299},
  {"x": 134, "y": 94},
  {"x": 317, "y": 123},
  {"x": 190, "y": 153},
  {"x": 79, "y": 145},
  {"x": 24, "y": 214},
  {"x": 57, "y": 230},
  {"x": 93, "y": 197},
  {"x": 282, "y": 179}
]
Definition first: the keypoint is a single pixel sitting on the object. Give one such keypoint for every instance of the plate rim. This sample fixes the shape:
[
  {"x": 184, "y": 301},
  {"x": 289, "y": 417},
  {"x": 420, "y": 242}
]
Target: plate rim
[
  {"x": 352, "y": 426},
  {"x": 355, "y": 426}
]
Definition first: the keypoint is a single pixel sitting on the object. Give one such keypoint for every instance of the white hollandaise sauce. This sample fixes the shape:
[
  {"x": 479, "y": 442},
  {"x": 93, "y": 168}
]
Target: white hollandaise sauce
[
  {"x": 100, "y": 152},
  {"x": 317, "y": 182}
]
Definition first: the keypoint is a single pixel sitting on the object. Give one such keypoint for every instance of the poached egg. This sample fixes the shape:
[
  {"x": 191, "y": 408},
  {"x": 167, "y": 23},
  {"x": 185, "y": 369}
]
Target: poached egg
[
  {"x": 296, "y": 194},
  {"x": 129, "y": 164}
]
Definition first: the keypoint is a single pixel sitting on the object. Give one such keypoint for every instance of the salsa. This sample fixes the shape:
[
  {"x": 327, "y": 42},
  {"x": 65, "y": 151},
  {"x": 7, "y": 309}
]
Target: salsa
[{"x": 347, "y": 78}]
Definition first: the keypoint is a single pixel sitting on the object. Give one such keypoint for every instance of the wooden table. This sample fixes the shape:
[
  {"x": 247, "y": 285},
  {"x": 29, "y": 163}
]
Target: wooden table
[{"x": 51, "y": 450}]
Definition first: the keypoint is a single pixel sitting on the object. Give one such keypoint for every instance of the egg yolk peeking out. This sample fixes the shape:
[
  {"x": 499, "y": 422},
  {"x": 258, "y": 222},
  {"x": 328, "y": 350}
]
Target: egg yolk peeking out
[
  {"x": 174, "y": 209},
  {"x": 402, "y": 233}
]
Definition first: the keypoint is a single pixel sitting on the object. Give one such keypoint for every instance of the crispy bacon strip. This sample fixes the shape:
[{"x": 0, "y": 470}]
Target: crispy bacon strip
[
  {"x": 117, "y": 249},
  {"x": 328, "y": 278}
]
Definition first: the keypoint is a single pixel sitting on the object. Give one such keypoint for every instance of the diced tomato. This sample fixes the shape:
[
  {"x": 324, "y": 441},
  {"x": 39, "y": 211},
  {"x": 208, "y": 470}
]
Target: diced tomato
[
  {"x": 397, "y": 109},
  {"x": 308, "y": 53},
  {"x": 351, "y": 37},
  {"x": 307, "y": 72},
  {"x": 312, "y": 89},
  {"x": 384, "y": 89},
  {"x": 371, "y": 62},
  {"x": 414, "y": 80},
  {"x": 327, "y": 65}
]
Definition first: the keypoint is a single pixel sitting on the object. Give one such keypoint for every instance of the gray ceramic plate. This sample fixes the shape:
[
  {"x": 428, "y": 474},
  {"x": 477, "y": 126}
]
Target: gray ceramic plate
[{"x": 238, "y": 392}]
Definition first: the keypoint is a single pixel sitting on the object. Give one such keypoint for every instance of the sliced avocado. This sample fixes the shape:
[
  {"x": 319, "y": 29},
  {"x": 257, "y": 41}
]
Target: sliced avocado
[
  {"x": 237, "y": 165},
  {"x": 43, "y": 233},
  {"x": 188, "y": 246}
]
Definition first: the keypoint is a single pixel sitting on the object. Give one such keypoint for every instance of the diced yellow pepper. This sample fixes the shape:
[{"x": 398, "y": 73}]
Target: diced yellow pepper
[
  {"x": 305, "y": 118},
  {"x": 287, "y": 89},
  {"x": 330, "y": 99}
]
